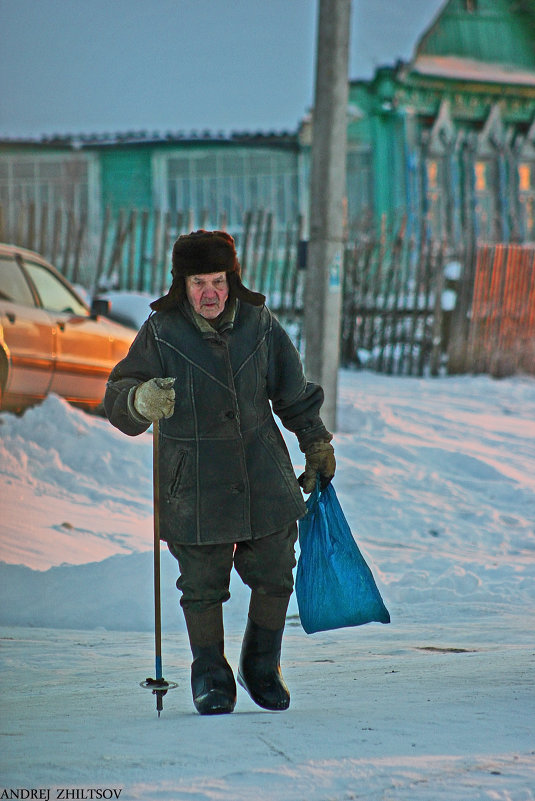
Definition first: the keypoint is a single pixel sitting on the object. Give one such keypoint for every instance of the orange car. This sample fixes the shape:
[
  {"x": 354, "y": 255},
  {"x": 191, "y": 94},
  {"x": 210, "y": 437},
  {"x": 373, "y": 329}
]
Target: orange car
[{"x": 50, "y": 340}]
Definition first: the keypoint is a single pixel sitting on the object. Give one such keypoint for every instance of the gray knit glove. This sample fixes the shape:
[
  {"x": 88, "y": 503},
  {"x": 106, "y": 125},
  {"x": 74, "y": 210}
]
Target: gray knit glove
[
  {"x": 319, "y": 460},
  {"x": 155, "y": 399}
]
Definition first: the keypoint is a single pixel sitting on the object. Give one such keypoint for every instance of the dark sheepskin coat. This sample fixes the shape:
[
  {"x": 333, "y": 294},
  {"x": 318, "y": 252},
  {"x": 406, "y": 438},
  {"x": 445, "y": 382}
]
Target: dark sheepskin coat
[{"x": 225, "y": 472}]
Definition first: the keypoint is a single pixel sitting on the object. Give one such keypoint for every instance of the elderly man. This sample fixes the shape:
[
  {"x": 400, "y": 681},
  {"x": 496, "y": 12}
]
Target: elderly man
[{"x": 212, "y": 363}]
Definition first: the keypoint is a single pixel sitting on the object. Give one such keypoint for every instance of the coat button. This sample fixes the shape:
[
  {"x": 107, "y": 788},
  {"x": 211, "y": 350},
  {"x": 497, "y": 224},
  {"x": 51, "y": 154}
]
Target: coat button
[
  {"x": 230, "y": 415},
  {"x": 237, "y": 488}
]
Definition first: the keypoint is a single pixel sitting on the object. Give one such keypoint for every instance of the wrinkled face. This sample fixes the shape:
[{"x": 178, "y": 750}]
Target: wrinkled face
[{"x": 207, "y": 293}]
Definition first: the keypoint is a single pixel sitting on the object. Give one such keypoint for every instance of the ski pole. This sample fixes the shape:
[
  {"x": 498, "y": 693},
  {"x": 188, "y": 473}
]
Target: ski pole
[
  {"x": 159, "y": 685},
  {"x": 157, "y": 596}
]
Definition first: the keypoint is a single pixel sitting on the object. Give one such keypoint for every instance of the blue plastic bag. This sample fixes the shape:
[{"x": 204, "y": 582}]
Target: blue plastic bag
[{"x": 334, "y": 586}]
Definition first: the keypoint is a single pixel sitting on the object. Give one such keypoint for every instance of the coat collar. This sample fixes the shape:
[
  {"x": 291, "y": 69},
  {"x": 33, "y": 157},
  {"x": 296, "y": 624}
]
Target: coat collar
[{"x": 222, "y": 324}]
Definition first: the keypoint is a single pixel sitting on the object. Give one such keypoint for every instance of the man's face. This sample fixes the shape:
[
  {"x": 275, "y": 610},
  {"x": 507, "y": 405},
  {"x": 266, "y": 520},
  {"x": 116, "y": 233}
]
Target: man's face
[{"x": 207, "y": 293}]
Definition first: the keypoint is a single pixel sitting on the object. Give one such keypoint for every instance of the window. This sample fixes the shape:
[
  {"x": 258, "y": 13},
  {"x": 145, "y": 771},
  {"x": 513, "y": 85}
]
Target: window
[
  {"x": 57, "y": 180},
  {"x": 13, "y": 284},
  {"x": 487, "y": 203},
  {"x": 359, "y": 185},
  {"x": 526, "y": 181},
  {"x": 526, "y": 186},
  {"x": 54, "y": 295},
  {"x": 480, "y": 170},
  {"x": 233, "y": 181}
]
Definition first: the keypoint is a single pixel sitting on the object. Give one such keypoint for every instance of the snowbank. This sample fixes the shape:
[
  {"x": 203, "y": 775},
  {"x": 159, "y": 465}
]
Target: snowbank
[{"x": 435, "y": 476}]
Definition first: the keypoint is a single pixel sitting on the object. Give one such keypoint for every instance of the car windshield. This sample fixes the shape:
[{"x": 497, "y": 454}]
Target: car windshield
[
  {"x": 13, "y": 285},
  {"x": 55, "y": 296}
]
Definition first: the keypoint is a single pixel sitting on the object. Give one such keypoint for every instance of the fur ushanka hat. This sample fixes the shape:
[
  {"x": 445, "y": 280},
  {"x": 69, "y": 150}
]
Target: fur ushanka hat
[{"x": 205, "y": 252}]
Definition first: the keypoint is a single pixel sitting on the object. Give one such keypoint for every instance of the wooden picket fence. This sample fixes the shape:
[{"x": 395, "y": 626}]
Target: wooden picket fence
[
  {"x": 393, "y": 319},
  {"x": 55, "y": 233},
  {"x": 131, "y": 249}
]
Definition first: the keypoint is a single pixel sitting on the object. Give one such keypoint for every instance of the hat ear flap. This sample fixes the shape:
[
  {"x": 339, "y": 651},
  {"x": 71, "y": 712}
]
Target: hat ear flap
[
  {"x": 238, "y": 290},
  {"x": 173, "y": 297}
]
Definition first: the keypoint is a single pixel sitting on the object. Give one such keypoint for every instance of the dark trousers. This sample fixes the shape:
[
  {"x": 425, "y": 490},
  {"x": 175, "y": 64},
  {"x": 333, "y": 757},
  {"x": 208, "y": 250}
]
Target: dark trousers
[{"x": 264, "y": 564}]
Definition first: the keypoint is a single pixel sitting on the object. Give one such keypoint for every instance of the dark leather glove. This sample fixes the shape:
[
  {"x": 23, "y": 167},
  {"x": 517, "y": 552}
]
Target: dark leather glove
[{"x": 320, "y": 459}]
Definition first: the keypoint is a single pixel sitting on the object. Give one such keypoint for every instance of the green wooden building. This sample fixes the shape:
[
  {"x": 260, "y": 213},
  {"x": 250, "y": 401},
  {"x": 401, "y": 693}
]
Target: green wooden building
[
  {"x": 448, "y": 138},
  {"x": 205, "y": 177}
]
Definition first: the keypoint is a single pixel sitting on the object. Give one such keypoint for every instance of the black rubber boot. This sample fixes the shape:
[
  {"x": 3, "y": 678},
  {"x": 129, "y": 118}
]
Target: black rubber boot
[
  {"x": 212, "y": 680},
  {"x": 259, "y": 672}
]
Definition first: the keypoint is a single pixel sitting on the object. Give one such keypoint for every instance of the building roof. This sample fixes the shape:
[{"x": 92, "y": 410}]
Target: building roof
[
  {"x": 489, "y": 31},
  {"x": 283, "y": 139}
]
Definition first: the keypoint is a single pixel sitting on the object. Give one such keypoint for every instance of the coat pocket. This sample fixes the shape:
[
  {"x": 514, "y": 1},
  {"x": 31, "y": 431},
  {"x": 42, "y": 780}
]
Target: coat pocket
[
  {"x": 177, "y": 474},
  {"x": 276, "y": 447}
]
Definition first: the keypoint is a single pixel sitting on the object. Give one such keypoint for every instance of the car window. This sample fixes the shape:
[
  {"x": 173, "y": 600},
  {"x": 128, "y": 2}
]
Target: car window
[
  {"x": 13, "y": 285},
  {"x": 54, "y": 295}
]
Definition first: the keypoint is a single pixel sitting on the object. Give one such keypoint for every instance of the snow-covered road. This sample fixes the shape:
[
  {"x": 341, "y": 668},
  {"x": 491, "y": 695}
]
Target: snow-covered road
[
  {"x": 415, "y": 713},
  {"x": 437, "y": 480}
]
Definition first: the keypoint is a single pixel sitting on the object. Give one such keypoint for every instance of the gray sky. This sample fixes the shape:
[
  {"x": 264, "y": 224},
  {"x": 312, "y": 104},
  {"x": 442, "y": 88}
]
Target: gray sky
[{"x": 95, "y": 66}]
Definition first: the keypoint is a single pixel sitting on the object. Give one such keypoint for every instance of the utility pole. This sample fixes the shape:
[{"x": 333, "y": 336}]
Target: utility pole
[{"x": 323, "y": 288}]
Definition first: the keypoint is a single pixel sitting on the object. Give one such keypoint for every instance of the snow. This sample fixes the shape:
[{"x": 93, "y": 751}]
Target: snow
[
  {"x": 437, "y": 480},
  {"x": 132, "y": 308},
  {"x": 129, "y": 308}
]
